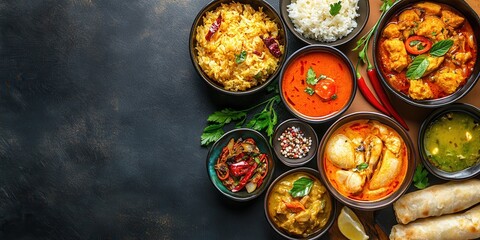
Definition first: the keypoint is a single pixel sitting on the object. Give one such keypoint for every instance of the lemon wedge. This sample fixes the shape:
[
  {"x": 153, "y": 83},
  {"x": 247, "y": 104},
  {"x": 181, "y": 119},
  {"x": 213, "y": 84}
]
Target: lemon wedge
[{"x": 350, "y": 225}]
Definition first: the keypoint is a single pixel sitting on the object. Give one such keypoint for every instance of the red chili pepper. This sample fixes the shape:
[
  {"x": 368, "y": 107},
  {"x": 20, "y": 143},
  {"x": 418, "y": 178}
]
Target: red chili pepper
[
  {"x": 222, "y": 171},
  {"x": 214, "y": 28},
  {"x": 417, "y": 45},
  {"x": 245, "y": 178},
  {"x": 368, "y": 95},
  {"x": 383, "y": 96},
  {"x": 239, "y": 168},
  {"x": 272, "y": 46}
]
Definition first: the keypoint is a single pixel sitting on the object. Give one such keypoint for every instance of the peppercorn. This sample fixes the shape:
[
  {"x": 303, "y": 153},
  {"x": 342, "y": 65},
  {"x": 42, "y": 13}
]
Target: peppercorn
[{"x": 293, "y": 143}]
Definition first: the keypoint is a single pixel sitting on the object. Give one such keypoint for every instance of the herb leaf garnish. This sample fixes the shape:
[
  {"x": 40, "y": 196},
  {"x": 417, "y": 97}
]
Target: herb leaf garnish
[
  {"x": 441, "y": 47},
  {"x": 241, "y": 57},
  {"x": 310, "y": 91},
  {"x": 301, "y": 187},
  {"x": 418, "y": 67},
  {"x": 361, "y": 166},
  {"x": 420, "y": 179},
  {"x": 335, "y": 8},
  {"x": 311, "y": 77}
]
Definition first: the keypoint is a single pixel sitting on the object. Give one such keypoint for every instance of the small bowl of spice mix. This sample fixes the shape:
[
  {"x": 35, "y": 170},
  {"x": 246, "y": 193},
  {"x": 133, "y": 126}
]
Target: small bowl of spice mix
[{"x": 295, "y": 142}]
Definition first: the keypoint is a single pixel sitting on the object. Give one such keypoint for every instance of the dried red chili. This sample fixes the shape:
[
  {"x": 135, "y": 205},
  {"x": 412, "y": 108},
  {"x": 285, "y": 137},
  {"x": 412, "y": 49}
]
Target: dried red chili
[
  {"x": 214, "y": 28},
  {"x": 272, "y": 46}
]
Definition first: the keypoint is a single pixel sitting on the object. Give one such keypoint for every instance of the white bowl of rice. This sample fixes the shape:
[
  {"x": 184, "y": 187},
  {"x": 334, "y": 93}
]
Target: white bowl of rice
[
  {"x": 238, "y": 47},
  {"x": 329, "y": 22}
]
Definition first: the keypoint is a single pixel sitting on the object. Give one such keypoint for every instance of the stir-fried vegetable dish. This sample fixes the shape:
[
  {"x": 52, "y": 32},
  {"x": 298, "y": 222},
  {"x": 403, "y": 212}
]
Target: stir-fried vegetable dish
[{"x": 241, "y": 165}]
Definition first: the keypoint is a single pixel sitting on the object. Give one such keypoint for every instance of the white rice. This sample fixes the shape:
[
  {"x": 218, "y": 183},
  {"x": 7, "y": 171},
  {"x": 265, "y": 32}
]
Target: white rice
[{"x": 313, "y": 20}]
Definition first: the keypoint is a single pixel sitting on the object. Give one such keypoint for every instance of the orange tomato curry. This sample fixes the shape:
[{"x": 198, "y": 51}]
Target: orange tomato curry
[
  {"x": 327, "y": 67},
  {"x": 365, "y": 160},
  {"x": 412, "y": 34}
]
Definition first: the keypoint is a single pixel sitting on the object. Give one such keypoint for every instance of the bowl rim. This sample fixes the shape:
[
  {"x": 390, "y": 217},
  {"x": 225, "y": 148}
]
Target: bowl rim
[
  {"x": 316, "y": 174},
  {"x": 267, "y": 179},
  {"x": 212, "y": 5},
  {"x": 318, "y": 48},
  {"x": 339, "y": 42},
  {"x": 432, "y": 103},
  {"x": 464, "y": 174},
  {"x": 412, "y": 161},
  {"x": 305, "y": 128}
]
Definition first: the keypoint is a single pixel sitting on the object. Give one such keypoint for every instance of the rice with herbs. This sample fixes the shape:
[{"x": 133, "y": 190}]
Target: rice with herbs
[
  {"x": 236, "y": 56},
  {"x": 313, "y": 20}
]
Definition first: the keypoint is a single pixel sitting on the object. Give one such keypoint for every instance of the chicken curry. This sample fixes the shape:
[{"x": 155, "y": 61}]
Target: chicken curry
[
  {"x": 365, "y": 160},
  {"x": 299, "y": 205},
  {"x": 427, "y": 51}
]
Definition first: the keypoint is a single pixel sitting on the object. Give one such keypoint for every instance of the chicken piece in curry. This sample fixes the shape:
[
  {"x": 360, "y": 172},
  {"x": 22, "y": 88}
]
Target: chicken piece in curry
[
  {"x": 377, "y": 166},
  {"x": 299, "y": 205},
  {"x": 427, "y": 51}
]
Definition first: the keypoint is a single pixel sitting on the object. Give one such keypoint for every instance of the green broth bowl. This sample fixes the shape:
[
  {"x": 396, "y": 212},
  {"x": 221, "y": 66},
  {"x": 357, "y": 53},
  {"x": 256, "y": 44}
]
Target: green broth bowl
[{"x": 449, "y": 142}]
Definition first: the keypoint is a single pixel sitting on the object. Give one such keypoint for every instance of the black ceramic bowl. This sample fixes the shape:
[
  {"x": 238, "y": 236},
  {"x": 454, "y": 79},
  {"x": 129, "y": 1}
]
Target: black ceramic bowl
[
  {"x": 282, "y": 39},
  {"x": 319, "y": 232},
  {"x": 391, "y": 197},
  {"x": 307, "y": 131},
  {"x": 300, "y": 53},
  {"x": 470, "y": 172},
  {"x": 216, "y": 150},
  {"x": 363, "y": 11},
  {"x": 470, "y": 15}
]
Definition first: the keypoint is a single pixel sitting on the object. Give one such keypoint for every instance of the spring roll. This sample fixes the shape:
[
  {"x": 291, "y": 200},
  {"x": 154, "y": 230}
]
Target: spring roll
[
  {"x": 437, "y": 200},
  {"x": 456, "y": 226}
]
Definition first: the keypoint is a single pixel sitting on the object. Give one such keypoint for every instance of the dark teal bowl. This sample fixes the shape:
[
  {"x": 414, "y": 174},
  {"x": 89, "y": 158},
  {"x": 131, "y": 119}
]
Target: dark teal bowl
[{"x": 215, "y": 151}]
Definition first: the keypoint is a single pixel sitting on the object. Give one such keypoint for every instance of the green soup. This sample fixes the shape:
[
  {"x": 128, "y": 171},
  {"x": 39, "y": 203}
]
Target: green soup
[{"x": 452, "y": 142}]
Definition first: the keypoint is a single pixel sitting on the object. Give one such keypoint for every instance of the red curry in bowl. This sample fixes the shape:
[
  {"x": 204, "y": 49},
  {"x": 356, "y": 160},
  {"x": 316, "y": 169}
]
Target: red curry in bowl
[
  {"x": 317, "y": 84},
  {"x": 427, "y": 50}
]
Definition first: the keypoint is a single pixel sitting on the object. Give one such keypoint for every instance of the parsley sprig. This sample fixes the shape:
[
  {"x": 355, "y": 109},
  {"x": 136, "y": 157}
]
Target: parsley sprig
[
  {"x": 263, "y": 120},
  {"x": 420, "y": 179}
]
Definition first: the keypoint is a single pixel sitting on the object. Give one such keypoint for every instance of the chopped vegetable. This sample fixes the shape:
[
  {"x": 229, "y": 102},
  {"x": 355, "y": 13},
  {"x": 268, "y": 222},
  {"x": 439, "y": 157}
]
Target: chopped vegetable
[
  {"x": 272, "y": 46},
  {"x": 417, "y": 45},
  {"x": 241, "y": 57},
  {"x": 301, "y": 187},
  {"x": 326, "y": 89},
  {"x": 214, "y": 28},
  {"x": 361, "y": 166},
  {"x": 295, "y": 206},
  {"x": 310, "y": 91}
]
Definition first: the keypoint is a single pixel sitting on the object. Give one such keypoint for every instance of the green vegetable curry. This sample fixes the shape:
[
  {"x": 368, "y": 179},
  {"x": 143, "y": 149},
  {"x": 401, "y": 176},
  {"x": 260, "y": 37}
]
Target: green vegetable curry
[{"x": 452, "y": 142}]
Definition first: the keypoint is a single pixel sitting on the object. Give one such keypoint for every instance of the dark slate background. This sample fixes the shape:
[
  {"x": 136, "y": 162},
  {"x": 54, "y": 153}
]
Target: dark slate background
[{"x": 101, "y": 113}]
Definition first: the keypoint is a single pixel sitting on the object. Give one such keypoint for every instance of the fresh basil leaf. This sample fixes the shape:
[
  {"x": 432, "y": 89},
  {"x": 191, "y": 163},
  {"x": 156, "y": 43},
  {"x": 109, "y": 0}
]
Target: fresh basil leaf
[
  {"x": 311, "y": 77},
  {"x": 241, "y": 57},
  {"x": 301, "y": 187},
  {"x": 362, "y": 166},
  {"x": 335, "y": 8},
  {"x": 441, "y": 47},
  {"x": 310, "y": 91},
  {"x": 418, "y": 67}
]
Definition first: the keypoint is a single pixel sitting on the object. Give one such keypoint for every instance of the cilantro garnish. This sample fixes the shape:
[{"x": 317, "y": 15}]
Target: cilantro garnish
[
  {"x": 420, "y": 179},
  {"x": 335, "y": 8}
]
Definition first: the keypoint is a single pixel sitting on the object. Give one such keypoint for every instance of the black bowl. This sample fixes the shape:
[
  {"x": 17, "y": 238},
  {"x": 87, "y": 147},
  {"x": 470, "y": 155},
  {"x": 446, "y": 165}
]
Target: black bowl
[
  {"x": 282, "y": 38},
  {"x": 392, "y": 197},
  {"x": 435, "y": 115},
  {"x": 470, "y": 15},
  {"x": 308, "y": 132},
  {"x": 363, "y": 10},
  {"x": 323, "y": 49},
  {"x": 319, "y": 232}
]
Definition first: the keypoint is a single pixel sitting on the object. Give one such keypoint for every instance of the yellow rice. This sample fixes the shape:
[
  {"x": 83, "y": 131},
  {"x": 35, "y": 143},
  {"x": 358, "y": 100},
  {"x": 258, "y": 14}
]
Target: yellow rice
[{"x": 242, "y": 29}]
